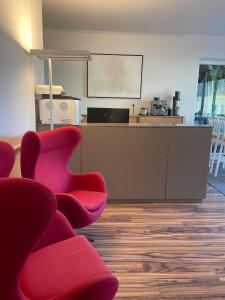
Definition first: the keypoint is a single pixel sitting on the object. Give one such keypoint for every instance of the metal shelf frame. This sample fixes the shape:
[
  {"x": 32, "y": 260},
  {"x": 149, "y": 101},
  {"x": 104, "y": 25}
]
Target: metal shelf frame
[{"x": 50, "y": 55}]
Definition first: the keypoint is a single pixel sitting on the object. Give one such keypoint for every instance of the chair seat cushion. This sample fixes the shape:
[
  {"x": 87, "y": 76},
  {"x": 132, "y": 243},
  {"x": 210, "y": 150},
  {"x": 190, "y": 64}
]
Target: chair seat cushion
[
  {"x": 62, "y": 270},
  {"x": 89, "y": 199}
]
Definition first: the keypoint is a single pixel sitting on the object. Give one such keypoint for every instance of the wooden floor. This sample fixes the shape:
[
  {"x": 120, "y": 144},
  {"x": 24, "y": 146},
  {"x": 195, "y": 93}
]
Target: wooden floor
[{"x": 164, "y": 250}]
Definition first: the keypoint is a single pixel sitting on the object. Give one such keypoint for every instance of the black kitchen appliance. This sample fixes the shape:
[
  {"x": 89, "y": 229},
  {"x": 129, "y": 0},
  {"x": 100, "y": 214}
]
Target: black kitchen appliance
[
  {"x": 176, "y": 106},
  {"x": 107, "y": 115},
  {"x": 159, "y": 107}
]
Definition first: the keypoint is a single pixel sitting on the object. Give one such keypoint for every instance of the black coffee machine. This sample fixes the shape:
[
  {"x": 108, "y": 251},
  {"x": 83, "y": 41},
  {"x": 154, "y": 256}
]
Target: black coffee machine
[{"x": 176, "y": 106}]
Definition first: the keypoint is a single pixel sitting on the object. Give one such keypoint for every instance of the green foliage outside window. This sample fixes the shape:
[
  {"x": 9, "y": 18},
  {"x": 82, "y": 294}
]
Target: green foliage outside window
[{"x": 211, "y": 90}]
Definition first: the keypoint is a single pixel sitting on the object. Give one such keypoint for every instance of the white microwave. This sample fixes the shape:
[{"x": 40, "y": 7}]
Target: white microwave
[{"x": 65, "y": 111}]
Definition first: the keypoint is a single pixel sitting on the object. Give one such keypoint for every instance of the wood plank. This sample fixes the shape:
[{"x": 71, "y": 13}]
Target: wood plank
[
  {"x": 161, "y": 119},
  {"x": 164, "y": 250}
]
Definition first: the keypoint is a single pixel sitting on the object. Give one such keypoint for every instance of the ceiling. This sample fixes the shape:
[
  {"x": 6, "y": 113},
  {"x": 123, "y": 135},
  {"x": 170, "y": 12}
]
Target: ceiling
[{"x": 197, "y": 17}]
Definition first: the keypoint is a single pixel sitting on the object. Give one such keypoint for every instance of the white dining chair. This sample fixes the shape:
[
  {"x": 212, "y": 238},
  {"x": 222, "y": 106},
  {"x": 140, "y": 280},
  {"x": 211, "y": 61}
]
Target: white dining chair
[
  {"x": 217, "y": 151},
  {"x": 221, "y": 145}
]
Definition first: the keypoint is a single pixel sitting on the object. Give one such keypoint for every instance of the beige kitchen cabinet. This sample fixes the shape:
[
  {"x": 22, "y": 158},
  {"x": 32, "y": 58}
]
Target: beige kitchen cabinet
[
  {"x": 103, "y": 150},
  {"x": 75, "y": 161},
  {"x": 146, "y": 162},
  {"x": 161, "y": 119},
  {"x": 188, "y": 161}
]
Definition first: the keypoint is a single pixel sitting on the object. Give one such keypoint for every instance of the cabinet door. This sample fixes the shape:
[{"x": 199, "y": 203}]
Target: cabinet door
[
  {"x": 103, "y": 150},
  {"x": 146, "y": 163},
  {"x": 75, "y": 161},
  {"x": 188, "y": 163}
]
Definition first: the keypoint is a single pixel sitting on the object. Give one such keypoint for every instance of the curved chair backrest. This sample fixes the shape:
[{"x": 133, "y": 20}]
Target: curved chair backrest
[
  {"x": 7, "y": 159},
  {"x": 45, "y": 156},
  {"x": 26, "y": 209}
]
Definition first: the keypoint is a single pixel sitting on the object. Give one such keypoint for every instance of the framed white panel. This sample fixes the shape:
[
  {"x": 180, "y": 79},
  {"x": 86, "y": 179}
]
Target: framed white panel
[{"x": 114, "y": 76}]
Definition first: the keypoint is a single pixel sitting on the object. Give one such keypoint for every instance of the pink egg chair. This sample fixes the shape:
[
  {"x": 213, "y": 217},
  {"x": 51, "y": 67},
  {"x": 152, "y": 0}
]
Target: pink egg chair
[
  {"x": 7, "y": 159},
  {"x": 68, "y": 269},
  {"x": 45, "y": 157}
]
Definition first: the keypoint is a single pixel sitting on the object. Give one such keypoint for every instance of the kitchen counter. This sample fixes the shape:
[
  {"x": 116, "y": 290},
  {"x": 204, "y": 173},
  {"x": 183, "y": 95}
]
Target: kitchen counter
[
  {"x": 15, "y": 142},
  {"x": 142, "y": 161},
  {"x": 145, "y": 161}
]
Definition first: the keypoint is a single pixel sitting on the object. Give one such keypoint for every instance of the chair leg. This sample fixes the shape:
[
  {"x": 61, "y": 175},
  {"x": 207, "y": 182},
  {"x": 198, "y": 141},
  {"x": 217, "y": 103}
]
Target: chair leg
[
  {"x": 211, "y": 152},
  {"x": 213, "y": 156},
  {"x": 223, "y": 157},
  {"x": 91, "y": 240},
  {"x": 219, "y": 160}
]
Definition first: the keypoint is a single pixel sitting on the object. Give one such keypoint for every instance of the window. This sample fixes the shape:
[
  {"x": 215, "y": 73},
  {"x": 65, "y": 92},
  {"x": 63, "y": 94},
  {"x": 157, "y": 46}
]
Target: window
[{"x": 211, "y": 91}]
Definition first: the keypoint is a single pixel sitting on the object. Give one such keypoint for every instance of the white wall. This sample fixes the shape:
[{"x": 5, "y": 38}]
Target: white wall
[
  {"x": 20, "y": 30},
  {"x": 170, "y": 63}
]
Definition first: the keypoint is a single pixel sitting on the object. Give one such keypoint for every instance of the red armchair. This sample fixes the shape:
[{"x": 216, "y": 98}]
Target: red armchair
[
  {"x": 7, "y": 159},
  {"x": 45, "y": 157},
  {"x": 68, "y": 269}
]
